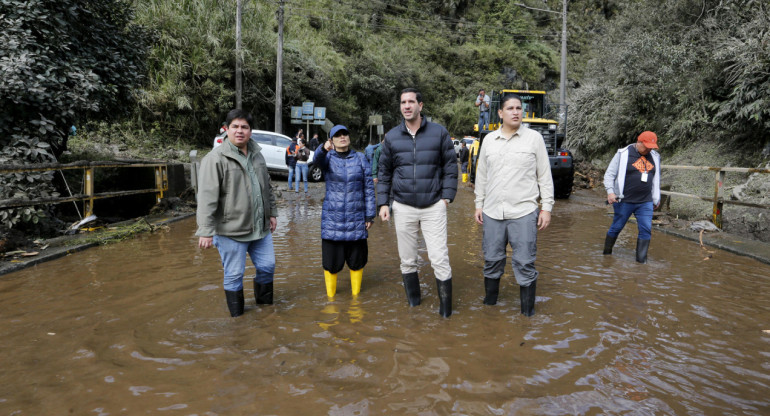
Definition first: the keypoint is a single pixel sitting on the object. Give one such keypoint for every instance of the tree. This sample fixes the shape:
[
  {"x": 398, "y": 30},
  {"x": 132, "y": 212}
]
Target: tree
[
  {"x": 64, "y": 61},
  {"x": 61, "y": 62}
]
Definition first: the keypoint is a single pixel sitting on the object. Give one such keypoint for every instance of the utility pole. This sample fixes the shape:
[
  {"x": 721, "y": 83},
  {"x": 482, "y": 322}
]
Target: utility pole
[
  {"x": 279, "y": 72},
  {"x": 238, "y": 55},
  {"x": 563, "y": 80}
]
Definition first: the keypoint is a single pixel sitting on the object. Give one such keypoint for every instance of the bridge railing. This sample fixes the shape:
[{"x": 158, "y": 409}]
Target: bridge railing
[
  {"x": 88, "y": 196},
  {"x": 718, "y": 199}
]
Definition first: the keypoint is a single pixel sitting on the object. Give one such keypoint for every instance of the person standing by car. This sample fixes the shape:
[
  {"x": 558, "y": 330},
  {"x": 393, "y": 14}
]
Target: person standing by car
[
  {"x": 418, "y": 164},
  {"x": 291, "y": 158},
  {"x": 483, "y": 102},
  {"x": 348, "y": 209},
  {"x": 463, "y": 156},
  {"x": 632, "y": 182},
  {"x": 300, "y": 172},
  {"x": 513, "y": 172},
  {"x": 313, "y": 143},
  {"x": 237, "y": 211}
]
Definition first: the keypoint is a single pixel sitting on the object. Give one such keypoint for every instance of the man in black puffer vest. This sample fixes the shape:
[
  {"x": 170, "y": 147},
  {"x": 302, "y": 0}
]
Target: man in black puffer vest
[{"x": 418, "y": 167}]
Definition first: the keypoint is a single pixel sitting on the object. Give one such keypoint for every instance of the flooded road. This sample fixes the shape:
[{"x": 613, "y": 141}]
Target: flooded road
[{"x": 141, "y": 327}]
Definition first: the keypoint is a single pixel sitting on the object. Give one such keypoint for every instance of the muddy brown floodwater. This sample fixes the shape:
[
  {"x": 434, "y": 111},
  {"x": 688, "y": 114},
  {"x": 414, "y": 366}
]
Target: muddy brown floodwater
[{"x": 141, "y": 327}]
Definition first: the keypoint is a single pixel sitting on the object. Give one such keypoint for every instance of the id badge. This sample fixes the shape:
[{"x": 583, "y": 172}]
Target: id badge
[{"x": 644, "y": 177}]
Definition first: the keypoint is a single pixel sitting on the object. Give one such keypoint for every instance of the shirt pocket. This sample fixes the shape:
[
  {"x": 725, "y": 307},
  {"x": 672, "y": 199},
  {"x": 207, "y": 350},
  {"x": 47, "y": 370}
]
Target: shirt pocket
[{"x": 512, "y": 160}]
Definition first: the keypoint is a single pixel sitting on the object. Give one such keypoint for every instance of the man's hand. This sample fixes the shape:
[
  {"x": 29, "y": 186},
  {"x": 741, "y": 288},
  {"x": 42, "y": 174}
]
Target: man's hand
[
  {"x": 273, "y": 224},
  {"x": 368, "y": 224},
  {"x": 612, "y": 198},
  {"x": 478, "y": 216},
  {"x": 375, "y": 181},
  {"x": 328, "y": 145},
  {"x": 205, "y": 242},
  {"x": 385, "y": 213},
  {"x": 543, "y": 220}
]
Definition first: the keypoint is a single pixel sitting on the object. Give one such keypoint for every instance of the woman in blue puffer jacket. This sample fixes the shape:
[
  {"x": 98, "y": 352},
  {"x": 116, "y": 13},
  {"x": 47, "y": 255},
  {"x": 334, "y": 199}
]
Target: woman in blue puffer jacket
[{"x": 348, "y": 210}]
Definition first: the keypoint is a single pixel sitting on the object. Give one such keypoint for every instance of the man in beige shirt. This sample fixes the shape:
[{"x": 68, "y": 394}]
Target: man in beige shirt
[{"x": 513, "y": 172}]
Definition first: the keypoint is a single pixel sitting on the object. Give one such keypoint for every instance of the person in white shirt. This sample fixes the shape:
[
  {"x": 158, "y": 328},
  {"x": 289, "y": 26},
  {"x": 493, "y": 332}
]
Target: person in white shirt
[{"x": 513, "y": 171}]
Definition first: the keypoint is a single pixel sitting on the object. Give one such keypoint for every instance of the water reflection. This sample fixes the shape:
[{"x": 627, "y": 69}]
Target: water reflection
[{"x": 141, "y": 327}]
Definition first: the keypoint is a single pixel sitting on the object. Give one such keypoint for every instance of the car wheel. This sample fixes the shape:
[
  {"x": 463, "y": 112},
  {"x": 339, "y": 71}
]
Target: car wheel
[{"x": 315, "y": 173}]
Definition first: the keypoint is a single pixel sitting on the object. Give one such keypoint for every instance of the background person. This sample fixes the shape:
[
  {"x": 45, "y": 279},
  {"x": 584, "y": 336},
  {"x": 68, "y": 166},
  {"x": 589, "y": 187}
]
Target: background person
[
  {"x": 418, "y": 164},
  {"x": 513, "y": 172},
  {"x": 291, "y": 158},
  {"x": 233, "y": 179},
  {"x": 482, "y": 102},
  {"x": 463, "y": 156},
  {"x": 313, "y": 143},
  {"x": 300, "y": 171},
  {"x": 348, "y": 209},
  {"x": 632, "y": 182}
]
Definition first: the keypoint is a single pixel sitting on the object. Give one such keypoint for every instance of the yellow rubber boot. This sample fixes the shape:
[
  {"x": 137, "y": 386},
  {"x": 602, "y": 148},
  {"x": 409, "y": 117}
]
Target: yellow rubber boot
[
  {"x": 465, "y": 177},
  {"x": 355, "y": 281},
  {"x": 331, "y": 283}
]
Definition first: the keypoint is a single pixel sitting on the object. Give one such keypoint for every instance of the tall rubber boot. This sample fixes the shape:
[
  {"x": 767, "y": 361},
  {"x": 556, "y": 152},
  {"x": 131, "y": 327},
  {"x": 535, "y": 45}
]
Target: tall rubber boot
[
  {"x": 355, "y": 281},
  {"x": 331, "y": 283},
  {"x": 609, "y": 242},
  {"x": 263, "y": 292},
  {"x": 444, "y": 297},
  {"x": 234, "y": 302},
  {"x": 641, "y": 250},
  {"x": 492, "y": 289},
  {"x": 527, "y": 295},
  {"x": 412, "y": 288}
]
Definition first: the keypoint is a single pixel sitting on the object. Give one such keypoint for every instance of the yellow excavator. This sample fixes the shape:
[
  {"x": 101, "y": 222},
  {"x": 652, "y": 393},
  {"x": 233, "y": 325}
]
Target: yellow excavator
[{"x": 538, "y": 115}]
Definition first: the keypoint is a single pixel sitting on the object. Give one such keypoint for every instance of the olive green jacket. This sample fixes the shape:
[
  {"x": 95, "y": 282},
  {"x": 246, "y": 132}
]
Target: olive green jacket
[{"x": 224, "y": 193}]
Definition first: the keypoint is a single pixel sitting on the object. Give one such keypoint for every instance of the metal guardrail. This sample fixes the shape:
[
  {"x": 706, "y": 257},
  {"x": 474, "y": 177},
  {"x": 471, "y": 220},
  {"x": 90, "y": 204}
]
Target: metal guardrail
[
  {"x": 718, "y": 198},
  {"x": 88, "y": 196}
]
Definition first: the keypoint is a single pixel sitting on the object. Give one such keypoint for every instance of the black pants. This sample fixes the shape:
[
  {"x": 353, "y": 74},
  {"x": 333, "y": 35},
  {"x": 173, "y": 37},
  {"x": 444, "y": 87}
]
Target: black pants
[{"x": 336, "y": 253}]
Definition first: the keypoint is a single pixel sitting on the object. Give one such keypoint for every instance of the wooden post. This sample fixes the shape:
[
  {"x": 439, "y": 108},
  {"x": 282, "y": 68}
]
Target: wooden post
[
  {"x": 88, "y": 187},
  {"x": 718, "y": 198}
]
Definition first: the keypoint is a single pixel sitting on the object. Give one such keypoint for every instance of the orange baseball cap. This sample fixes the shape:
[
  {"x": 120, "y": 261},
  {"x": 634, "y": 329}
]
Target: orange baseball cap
[{"x": 648, "y": 139}]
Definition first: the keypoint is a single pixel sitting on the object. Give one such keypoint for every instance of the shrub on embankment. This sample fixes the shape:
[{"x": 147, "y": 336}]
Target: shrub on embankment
[{"x": 696, "y": 73}]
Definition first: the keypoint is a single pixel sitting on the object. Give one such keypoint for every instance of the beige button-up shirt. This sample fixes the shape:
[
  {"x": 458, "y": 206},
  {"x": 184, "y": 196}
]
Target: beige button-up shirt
[{"x": 511, "y": 174}]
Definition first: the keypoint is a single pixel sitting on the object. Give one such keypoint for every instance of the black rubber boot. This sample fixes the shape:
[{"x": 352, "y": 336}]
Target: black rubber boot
[
  {"x": 641, "y": 250},
  {"x": 527, "y": 295},
  {"x": 263, "y": 292},
  {"x": 444, "y": 297},
  {"x": 234, "y": 302},
  {"x": 492, "y": 289},
  {"x": 412, "y": 288},
  {"x": 609, "y": 242}
]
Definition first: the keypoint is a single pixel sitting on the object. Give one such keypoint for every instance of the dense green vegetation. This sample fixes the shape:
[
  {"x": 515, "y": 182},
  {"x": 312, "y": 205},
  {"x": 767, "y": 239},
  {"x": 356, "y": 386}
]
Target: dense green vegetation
[
  {"x": 161, "y": 73},
  {"x": 689, "y": 70},
  {"x": 350, "y": 57}
]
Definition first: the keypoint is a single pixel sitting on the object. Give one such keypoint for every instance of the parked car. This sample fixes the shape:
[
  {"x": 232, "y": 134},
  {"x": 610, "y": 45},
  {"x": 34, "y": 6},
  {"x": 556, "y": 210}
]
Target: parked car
[{"x": 273, "y": 149}]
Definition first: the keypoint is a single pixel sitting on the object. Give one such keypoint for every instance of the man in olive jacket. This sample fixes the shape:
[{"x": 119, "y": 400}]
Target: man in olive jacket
[
  {"x": 418, "y": 166},
  {"x": 237, "y": 211}
]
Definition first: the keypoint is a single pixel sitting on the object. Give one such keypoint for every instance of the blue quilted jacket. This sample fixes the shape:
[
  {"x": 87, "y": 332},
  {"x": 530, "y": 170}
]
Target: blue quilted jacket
[{"x": 349, "y": 201}]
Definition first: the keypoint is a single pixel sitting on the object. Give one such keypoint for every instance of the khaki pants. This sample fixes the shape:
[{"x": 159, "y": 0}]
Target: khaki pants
[{"x": 432, "y": 221}]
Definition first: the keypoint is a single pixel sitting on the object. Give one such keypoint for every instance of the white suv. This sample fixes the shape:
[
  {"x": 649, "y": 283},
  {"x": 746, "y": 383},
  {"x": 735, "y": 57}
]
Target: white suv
[{"x": 274, "y": 150}]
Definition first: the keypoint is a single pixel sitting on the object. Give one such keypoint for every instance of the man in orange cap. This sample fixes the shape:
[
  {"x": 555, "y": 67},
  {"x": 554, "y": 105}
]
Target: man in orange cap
[{"x": 632, "y": 182}]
